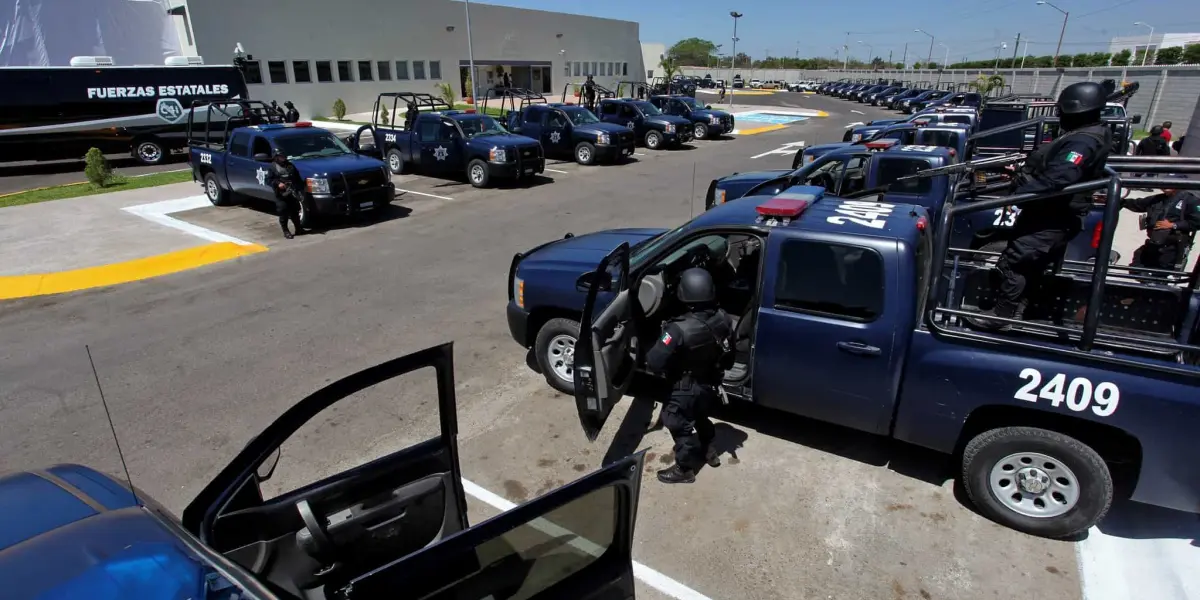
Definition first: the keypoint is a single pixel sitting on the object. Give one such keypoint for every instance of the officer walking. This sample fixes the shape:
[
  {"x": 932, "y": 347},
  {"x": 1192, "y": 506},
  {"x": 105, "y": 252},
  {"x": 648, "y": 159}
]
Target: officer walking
[
  {"x": 284, "y": 179},
  {"x": 1171, "y": 221},
  {"x": 693, "y": 353},
  {"x": 1044, "y": 227}
]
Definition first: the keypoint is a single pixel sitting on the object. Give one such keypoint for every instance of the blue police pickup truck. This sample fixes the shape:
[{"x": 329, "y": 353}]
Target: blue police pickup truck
[
  {"x": 706, "y": 122},
  {"x": 398, "y": 522},
  {"x": 653, "y": 128},
  {"x": 337, "y": 181},
  {"x": 930, "y": 116},
  {"x": 572, "y": 130},
  {"x": 848, "y": 311},
  {"x": 444, "y": 142}
]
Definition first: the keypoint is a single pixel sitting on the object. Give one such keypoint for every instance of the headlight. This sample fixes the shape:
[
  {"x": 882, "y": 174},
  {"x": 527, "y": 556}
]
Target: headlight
[
  {"x": 519, "y": 291},
  {"x": 720, "y": 196},
  {"x": 809, "y": 158},
  {"x": 317, "y": 185},
  {"x": 602, "y": 138},
  {"x": 670, "y": 128},
  {"x": 856, "y": 137},
  {"x": 498, "y": 155}
]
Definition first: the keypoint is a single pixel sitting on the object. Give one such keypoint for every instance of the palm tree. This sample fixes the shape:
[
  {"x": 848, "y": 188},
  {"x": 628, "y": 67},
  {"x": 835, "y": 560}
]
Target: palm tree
[
  {"x": 669, "y": 67},
  {"x": 985, "y": 84}
]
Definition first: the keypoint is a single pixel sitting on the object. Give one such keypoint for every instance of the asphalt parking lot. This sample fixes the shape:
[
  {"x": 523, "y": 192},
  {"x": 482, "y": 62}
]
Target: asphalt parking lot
[{"x": 196, "y": 363}]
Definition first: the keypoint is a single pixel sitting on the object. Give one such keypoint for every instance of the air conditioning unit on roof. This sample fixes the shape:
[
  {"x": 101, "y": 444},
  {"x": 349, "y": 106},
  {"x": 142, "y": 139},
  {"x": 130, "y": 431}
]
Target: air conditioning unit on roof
[
  {"x": 92, "y": 61},
  {"x": 183, "y": 61}
]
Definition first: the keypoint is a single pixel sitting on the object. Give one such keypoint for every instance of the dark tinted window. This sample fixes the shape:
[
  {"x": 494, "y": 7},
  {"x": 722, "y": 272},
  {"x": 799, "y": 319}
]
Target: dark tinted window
[
  {"x": 435, "y": 69},
  {"x": 385, "y": 70},
  {"x": 364, "y": 71},
  {"x": 894, "y": 168},
  {"x": 262, "y": 146},
  {"x": 830, "y": 279},
  {"x": 418, "y": 69},
  {"x": 402, "y": 69},
  {"x": 253, "y": 71},
  {"x": 964, "y": 119},
  {"x": 240, "y": 144},
  {"x": 427, "y": 129},
  {"x": 278, "y": 71},
  {"x": 300, "y": 71},
  {"x": 324, "y": 71},
  {"x": 945, "y": 139},
  {"x": 344, "y": 72}
]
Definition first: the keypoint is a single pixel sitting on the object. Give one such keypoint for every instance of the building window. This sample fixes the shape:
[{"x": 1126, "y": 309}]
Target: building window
[
  {"x": 253, "y": 72},
  {"x": 364, "y": 71},
  {"x": 610, "y": 69},
  {"x": 418, "y": 69},
  {"x": 624, "y": 68},
  {"x": 577, "y": 68},
  {"x": 435, "y": 69},
  {"x": 402, "y": 69},
  {"x": 649, "y": 73},
  {"x": 833, "y": 280},
  {"x": 324, "y": 71},
  {"x": 300, "y": 71},
  {"x": 385, "y": 70},
  {"x": 594, "y": 71},
  {"x": 277, "y": 69},
  {"x": 344, "y": 71},
  {"x": 567, "y": 69}
]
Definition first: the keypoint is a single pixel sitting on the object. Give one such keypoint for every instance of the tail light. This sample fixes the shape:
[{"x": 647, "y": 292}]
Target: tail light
[{"x": 1096, "y": 235}]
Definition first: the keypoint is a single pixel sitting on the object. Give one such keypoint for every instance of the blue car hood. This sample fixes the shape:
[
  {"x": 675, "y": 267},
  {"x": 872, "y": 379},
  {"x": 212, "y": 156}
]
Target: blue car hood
[
  {"x": 322, "y": 166},
  {"x": 549, "y": 273},
  {"x": 823, "y": 149},
  {"x": 736, "y": 185},
  {"x": 672, "y": 119},
  {"x": 885, "y": 122},
  {"x": 501, "y": 140},
  {"x": 601, "y": 127},
  {"x": 706, "y": 113}
]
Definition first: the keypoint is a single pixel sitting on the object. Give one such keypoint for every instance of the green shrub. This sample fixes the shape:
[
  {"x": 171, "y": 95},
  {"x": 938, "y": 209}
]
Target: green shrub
[
  {"x": 383, "y": 115},
  {"x": 98, "y": 171},
  {"x": 339, "y": 109},
  {"x": 447, "y": 91}
]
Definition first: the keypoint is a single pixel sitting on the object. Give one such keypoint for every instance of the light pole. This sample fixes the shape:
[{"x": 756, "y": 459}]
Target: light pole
[
  {"x": 1149, "y": 40},
  {"x": 733, "y": 53},
  {"x": 471, "y": 52},
  {"x": 870, "y": 52},
  {"x": 1024, "y": 53},
  {"x": 929, "y": 58},
  {"x": 846, "y": 53},
  {"x": 945, "y": 61},
  {"x": 996, "y": 67},
  {"x": 1066, "y": 15}
]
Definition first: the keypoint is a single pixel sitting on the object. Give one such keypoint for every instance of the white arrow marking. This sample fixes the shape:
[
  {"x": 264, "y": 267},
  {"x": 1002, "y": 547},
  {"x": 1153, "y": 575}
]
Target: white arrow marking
[
  {"x": 857, "y": 112},
  {"x": 787, "y": 149}
]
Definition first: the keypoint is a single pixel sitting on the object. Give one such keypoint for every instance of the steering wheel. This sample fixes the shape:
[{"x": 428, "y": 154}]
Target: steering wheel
[{"x": 317, "y": 542}]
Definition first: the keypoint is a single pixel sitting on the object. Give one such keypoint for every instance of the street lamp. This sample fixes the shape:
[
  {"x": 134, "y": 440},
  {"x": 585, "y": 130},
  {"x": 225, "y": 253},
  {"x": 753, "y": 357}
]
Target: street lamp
[
  {"x": 471, "y": 52},
  {"x": 929, "y": 58},
  {"x": 1149, "y": 39},
  {"x": 733, "y": 53},
  {"x": 945, "y": 61},
  {"x": 1002, "y": 46},
  {"x": 870, "y": 52},
  {"x": 1061, "y": 33}
]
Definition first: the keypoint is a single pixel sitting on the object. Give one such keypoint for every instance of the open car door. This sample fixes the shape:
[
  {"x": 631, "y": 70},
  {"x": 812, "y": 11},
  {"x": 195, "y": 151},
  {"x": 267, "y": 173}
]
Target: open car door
[
  {"x": 604, "y": 360},
  {"x": 315, "y": 539}
]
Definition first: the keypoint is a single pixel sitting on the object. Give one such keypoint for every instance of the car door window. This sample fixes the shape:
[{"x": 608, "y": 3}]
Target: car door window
[
  {"x": 427, "y": 130},
  {"x": 447, "y": 131},
  {"x": 826, "y": 175},
  {"x": 853, "y": 177},
  {"x": 627, "y": 112},
  {"x": 557, "y": 119},
  {"x": 261, "y": 146},
  {"x": 833, "y": 280},
  {"x": 608, "y": 108},
  {"x": 240, "y": 145}
]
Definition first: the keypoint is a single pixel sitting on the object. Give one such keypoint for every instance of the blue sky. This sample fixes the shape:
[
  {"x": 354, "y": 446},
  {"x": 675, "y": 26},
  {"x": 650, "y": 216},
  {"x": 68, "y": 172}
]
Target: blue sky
[{"x": 971, "y": 28}]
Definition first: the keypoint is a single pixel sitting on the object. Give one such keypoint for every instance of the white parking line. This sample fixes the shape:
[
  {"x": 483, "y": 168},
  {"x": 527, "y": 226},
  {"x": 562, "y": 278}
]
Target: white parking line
[
  {"x": 858, "y": 112},
  {"x": 158, "y": 212},
  {"x": 557, "y": 171},
  {"x": 788, "y": 149},
  {"x": 649, "y": 576},
  {"x": 423, "y": 194}
]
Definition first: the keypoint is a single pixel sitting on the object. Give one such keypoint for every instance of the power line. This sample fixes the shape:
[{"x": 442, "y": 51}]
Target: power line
[{"x": 1096, "y": 12}]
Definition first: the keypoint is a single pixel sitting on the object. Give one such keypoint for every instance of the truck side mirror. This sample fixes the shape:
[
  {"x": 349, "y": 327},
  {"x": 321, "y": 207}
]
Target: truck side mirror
[
  {"x": 1136, "y": 119},
  {"x": 262, "y": 157},
  {"x": 584, "y": 283},
  {"x": 707, "y": 107},
  {"x": 267, "y": 468}
]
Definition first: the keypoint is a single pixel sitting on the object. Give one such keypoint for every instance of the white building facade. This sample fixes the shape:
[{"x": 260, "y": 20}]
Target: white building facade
[
  {"x": 1138, "y": 43},
  {"x": 317, "y": 52}
]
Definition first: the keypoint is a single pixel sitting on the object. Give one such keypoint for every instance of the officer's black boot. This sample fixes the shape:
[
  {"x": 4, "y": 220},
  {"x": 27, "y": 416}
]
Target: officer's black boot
[
  {"x": 982, "y": 322},
  {"x": 675, "y": 474},
  {"x": 713, "y": 458},
  {"x": 283, "y": 224}
]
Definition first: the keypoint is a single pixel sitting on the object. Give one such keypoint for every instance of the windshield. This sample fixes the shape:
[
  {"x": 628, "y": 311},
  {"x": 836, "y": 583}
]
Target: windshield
[
  {"x": 647, "y": 108},
  {"x": 311, "y": 146},
  {"x": 651, "y": 245},
  {"x": 482, "y": 125},
  {"x": 692, "y": 103},
  {"x": 1113, "y": 111},
  {"x": 580, "y": 115}
]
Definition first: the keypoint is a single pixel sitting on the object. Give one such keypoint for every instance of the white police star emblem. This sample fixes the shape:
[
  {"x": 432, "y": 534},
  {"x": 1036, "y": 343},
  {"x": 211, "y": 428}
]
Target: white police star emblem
[
  {"x": 440, "y": 153},
  {"x": 629, "y": 125},
  {"x": 261, "y": 174},
  {"x": 555, "y": 136}
]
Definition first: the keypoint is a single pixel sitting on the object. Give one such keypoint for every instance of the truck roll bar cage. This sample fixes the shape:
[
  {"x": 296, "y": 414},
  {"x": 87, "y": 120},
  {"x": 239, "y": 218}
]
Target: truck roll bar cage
[
  {"x": 512, "y": 94},
  {"x": 634, "y": 86},
  {"x": 1112, "y": 185},
  {"x": 248, "y": 112},
  {"x": 601, "y": 93},
  {"x": 424, "y": 101}
]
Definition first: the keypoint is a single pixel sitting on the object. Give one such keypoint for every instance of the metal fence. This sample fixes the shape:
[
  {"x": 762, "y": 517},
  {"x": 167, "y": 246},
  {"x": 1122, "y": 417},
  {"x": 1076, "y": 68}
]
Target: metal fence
[{"x": 1166, "y": 93}]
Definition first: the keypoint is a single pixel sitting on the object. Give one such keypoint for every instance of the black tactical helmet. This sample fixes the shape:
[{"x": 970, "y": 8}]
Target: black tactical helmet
[
  {"x": 1081, "y": 97},
  {"x": 696, "y": 287}
]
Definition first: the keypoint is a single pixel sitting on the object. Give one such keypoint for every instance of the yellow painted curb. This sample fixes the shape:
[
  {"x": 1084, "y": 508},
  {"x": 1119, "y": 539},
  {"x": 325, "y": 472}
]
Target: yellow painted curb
[
  {"x": 752, "y": 93},
  {"x": 761, "y": 129},
  {"x": 821, "y": 113},
  {"x": 24, "y": 286}
]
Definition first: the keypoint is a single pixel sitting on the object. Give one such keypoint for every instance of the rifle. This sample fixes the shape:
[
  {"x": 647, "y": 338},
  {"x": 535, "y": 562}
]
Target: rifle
[{"x": 988, "y": 163}]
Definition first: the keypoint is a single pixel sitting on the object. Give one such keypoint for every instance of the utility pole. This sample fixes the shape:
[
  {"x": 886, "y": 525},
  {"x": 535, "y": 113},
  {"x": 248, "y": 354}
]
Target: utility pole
[
  {"x": 1066, "y": 15},
  {"x": 1015, "y": 48},
  {"x": 471, "y": 53},
  {"x": 929, "y": 58},
  {"x": 905, "y": 59},
  {"x": 733, "y": 51},
  {"x": 846, "y": 52}
]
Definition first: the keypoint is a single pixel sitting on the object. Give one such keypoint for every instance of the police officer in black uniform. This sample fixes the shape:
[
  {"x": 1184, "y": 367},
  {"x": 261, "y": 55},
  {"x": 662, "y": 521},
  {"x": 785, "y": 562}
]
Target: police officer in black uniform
[
  {"x": 589, "y": 93},
  {"x": 285, "y": 180},
  {"x": 693, "y": 353},
  {"x": 1044, "y": 227},
  {"x": 292, "y": 115},
  {"x": 410, "y": 116},
  {"x": 1171, "y": 221}
]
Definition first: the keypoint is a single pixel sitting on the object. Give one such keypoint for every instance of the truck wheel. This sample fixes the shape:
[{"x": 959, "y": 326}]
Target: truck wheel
[
  {"x": 585, "y": 153},
  {"x": 554, "y": 350},
  {"x": 306, "y": 214},
  {"x": 216, "y": 195},
  {"x": 1037, "y": 481},
  {"x": 477, "y": 173},
  {"x": 395, "y": 161},
  {"x": 149, "y": 151},
  {"x": 654, "y": 140},
  {"x": 700, "y": 131}
]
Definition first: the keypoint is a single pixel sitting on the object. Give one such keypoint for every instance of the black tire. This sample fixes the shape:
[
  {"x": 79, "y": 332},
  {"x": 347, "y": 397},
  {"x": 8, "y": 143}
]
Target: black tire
[
  {"x": 395, "y": 161},
  {"x": 306, "y": 215},
  {"x": 585, "y": 153},
  {"x": 477, "y": 173},
  {"x": 554, "y": 328},
  {"x": 1095, "y": 484},
  {"x": 149, "y": 151},
  {"x": 217, "y": 195},
  {"x": 700, "y": 131},
  {"x": 654, "y": 139}
]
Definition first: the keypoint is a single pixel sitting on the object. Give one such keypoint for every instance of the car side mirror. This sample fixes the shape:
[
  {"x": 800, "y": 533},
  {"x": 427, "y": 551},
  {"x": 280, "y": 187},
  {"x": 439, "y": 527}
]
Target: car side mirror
[
  {"x": 1136, "y": 119},
  {"x": 707, "y": 107},
  {"x": 584, "y": 283},
  {"x": 261, "y": 157},
  {"x": 267, "y": 468}
]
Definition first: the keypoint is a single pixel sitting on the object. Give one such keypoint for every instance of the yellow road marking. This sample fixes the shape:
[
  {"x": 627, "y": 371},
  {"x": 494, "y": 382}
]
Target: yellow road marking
[
  {"x": 41, "y": 284},
  {"x": 761, "y": 129}
]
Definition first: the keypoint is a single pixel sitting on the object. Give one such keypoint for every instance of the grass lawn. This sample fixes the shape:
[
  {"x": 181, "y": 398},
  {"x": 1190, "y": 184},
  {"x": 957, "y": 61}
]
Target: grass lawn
[{"x": 76, "y": 190}]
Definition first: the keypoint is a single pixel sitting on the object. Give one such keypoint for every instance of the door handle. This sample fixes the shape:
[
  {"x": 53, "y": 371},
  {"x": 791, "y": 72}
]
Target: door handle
[{"x": 858, "y": 348}]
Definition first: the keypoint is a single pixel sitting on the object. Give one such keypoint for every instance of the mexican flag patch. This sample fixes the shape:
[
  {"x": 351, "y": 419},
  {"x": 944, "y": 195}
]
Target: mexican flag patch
[
  {"x": 666, "y": 339},
  {"x": 1074, "y": 158}
]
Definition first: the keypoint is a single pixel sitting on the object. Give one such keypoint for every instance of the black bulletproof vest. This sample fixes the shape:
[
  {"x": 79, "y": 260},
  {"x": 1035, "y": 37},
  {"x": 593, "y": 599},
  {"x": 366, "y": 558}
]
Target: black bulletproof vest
[
  {"x": 707, "y": 348},
  {"x": 1093, "y": 168}
]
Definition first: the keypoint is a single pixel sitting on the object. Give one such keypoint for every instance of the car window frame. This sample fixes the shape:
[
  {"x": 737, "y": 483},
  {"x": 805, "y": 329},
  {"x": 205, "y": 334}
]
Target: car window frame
[{"x": 882, "y": 287}]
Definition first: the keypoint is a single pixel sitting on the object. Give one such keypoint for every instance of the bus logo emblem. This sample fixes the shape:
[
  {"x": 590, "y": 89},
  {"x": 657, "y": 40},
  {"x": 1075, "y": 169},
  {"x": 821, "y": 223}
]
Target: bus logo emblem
[{"x": 169, "y": 110}]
